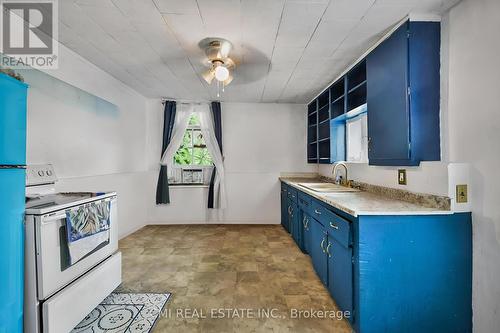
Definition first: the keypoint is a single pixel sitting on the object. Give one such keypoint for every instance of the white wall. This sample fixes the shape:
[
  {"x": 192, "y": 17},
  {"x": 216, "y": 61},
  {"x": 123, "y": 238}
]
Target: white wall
[
  {"x": 474, "y": 137},
  {"x": 260, "y": 141},
  {"x": 429, "y": 177},
  {"x": 92, "y": 148},
  {"x": 470, "y": 131}
]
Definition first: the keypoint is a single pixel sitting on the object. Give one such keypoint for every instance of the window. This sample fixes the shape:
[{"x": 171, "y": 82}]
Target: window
[
  {"x": 193, "y": 150},
  {"x": 192, "y": 161}
]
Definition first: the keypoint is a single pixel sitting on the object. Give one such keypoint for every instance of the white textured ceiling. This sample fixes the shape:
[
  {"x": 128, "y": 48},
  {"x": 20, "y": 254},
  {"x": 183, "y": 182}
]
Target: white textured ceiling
[{"x": 288, "y": 50}]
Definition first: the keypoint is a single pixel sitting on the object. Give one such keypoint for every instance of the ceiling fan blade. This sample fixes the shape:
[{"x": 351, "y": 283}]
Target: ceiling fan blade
[
  {"x": 229, "y": 79},
  {"x": 229, "y": 63},
  {"x": 209, "y": 76},
  {"x": 225, "y": 48}
]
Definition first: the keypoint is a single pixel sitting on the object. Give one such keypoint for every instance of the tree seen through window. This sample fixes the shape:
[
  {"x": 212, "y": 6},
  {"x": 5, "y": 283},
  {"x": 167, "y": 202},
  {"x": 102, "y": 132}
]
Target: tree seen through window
[{"x": 193, "y": 150}]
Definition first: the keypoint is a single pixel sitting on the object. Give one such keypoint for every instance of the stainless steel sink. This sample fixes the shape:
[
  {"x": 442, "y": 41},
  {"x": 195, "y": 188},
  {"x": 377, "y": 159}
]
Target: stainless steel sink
[{"x": 327, "y": 187}]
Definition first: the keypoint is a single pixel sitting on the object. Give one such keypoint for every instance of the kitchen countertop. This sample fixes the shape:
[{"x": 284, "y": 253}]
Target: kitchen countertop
[{"x": 363, "y": 203}]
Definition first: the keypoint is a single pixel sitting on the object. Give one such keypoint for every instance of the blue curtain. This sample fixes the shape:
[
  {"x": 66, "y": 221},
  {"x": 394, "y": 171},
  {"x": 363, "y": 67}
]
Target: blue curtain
[
  {"x": 162, "y": 192},
  {"x": 216, "y": 113}
]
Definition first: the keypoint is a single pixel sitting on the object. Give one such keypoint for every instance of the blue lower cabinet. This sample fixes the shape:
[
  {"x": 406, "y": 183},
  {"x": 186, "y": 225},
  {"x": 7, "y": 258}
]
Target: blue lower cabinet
[
  {"x": 319, "y": 240},
  {"x": 340, "y": 275},
  {"x": 284, "y": 207},
  {"x": 413, "y": 274},
  {"x": 306, "y": 232},
  {"x": 402, "y": 273},
  {"x": 293, "y": 221}
]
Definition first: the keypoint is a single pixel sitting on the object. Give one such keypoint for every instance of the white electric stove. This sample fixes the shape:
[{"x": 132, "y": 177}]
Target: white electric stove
[{"x": 58, "y": 294}]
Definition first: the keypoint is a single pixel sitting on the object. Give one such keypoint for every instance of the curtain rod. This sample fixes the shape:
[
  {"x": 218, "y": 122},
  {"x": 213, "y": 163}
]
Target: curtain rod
[{"x": 164, "y": 99}]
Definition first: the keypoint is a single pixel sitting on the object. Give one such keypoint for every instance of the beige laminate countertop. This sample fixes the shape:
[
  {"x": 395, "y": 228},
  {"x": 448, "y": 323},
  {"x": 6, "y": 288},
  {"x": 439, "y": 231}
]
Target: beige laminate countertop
[{"x": 363, "y": 203}]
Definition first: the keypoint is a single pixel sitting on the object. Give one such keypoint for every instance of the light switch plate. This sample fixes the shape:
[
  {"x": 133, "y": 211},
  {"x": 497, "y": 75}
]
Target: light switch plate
[
  {"x": 402, "y": 176},
  {"x": 461, "y": 195}
]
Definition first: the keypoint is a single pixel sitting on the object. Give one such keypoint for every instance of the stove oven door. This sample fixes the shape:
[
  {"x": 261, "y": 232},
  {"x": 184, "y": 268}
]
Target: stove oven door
[{"x": 53, "y": 269}]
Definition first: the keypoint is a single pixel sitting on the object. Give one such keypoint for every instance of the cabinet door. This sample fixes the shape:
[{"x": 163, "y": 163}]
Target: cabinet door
[
  {"x": 296, "y": 225},
  {"x": 319, "y": 241},
  {"x": 284, "y": 207},
  {"x": 340, "y": 273},
  {"x": 306, "y": 232},
  {"x": 387, "y": 100},
  {"x": 290, "y": 214}
]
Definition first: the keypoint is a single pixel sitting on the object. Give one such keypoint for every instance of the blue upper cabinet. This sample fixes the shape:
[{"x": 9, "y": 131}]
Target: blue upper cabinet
[{"x": 403, "y": 96}]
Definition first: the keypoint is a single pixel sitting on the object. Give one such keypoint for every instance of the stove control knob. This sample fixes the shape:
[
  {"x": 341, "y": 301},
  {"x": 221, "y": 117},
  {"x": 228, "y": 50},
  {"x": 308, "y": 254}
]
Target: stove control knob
[
  {"x": 49, "y": 173},
  {"x": 41, "y": 173}
]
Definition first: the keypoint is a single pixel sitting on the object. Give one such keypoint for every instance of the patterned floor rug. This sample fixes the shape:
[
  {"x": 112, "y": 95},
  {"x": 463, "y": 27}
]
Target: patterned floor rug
[{"x": 124, "y": 312}]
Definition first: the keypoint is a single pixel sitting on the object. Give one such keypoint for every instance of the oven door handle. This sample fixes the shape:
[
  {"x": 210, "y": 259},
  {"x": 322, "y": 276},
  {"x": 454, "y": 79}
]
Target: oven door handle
[{"x": 49, "y": 219}]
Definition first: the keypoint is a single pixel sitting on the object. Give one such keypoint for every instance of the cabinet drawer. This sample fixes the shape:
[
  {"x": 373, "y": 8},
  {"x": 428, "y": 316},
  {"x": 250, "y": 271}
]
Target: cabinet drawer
[
  {"x": 292, "y": 194},
  {"x": 337, "y": 226},
  {"x": 304, "y": 202}
]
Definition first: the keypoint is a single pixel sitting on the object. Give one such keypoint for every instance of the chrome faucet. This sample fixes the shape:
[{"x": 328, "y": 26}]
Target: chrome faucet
[{"x": 338, "y": 178}]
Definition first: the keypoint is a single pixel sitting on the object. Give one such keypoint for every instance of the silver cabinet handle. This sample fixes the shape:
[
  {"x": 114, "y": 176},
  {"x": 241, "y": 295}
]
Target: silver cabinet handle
[
  {"x": 304, "y": 221},
  {"x": 334, "y": 226},
  {"x": 289, "y": 209},
  {"x": 317, "y": 212},
  {"x": 327, "y": 247},
  {"x": 321, "y": 245}
]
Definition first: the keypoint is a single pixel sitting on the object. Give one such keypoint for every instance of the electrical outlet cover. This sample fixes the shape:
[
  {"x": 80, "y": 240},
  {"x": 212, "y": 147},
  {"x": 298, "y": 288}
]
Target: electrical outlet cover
[
  {"x": 461, "y": 195},
  {"x": 459, "y": 174},
  {"x": 402, "y": 176}
]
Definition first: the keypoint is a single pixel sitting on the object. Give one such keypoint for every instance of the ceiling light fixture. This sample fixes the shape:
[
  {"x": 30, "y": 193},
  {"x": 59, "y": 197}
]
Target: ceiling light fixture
[
  {"x": 221, "y": 73},
  {"x": 221, "y": 65}
]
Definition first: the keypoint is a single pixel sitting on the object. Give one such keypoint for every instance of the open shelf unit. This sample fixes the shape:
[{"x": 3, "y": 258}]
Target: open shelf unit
[
  {"x": 324, "y": 127},
  {"x": 337, "y": 93},
  {"x": 356, "y": 86},
  {"x": 327, "y": 114},
  {"x": 312, "y": 132}
]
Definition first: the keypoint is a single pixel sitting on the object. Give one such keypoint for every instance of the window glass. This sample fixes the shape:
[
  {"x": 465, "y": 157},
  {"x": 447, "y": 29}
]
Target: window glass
[{"x": 193, "y": 150}]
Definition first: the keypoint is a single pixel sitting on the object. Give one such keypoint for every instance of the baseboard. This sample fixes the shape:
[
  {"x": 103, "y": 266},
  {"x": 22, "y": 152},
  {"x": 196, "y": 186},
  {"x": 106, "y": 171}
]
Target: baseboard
[
  {"x": 128, "y": 233},
  {"x": 199, "y": 222},
  {"x": 242, "y": 222}
]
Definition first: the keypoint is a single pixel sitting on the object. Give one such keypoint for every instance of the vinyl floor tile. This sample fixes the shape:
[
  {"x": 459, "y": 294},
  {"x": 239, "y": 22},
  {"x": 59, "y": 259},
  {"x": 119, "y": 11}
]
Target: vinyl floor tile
[{"x": 216, "y": 272}]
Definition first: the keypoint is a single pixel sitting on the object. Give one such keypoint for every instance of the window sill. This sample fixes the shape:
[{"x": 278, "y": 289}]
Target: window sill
[{"x": 180, "y": 185}]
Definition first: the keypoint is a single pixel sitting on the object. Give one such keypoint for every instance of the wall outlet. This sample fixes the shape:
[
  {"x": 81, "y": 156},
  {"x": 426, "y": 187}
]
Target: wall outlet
[
  {"x": 461, "y": 195},
  {"x": 402, "y": 176}
]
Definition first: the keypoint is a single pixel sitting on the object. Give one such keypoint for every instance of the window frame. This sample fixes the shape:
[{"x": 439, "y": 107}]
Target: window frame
[{"x": 206, "y": 169}]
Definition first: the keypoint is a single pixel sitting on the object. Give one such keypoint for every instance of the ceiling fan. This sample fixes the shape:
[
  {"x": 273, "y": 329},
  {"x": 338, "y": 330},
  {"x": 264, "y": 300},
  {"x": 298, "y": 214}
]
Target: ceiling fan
[{"x": 221, "y": 65}]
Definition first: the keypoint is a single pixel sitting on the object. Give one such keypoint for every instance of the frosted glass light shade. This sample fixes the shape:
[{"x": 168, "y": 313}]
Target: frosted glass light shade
[{"x": 221, "y": 73}]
